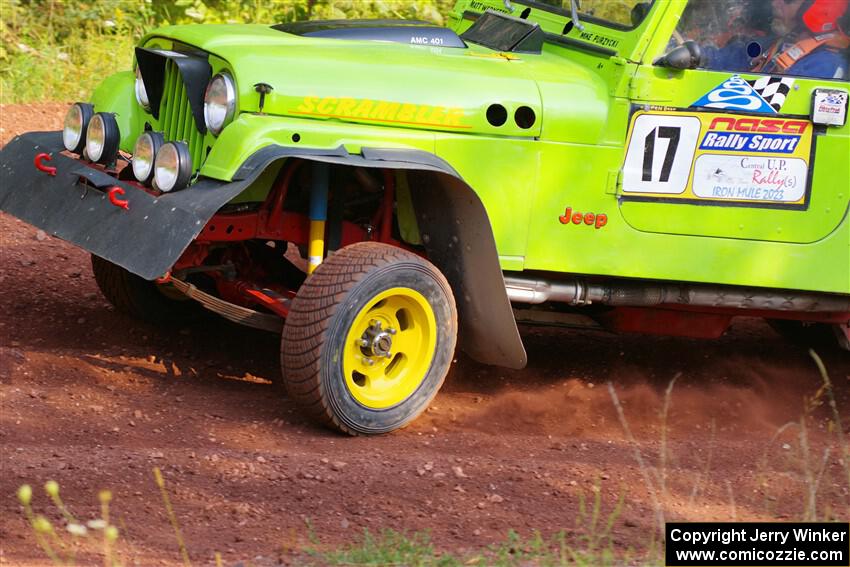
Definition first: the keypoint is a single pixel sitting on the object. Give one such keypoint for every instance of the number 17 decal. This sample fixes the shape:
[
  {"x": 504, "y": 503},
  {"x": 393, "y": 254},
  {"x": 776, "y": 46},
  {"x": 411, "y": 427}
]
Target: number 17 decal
[
  {"x": 672, "y": 133},
  {"x": 660, "y": 154}
]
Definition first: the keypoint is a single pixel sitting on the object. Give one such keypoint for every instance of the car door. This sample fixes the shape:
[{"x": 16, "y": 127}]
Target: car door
[{"x": 730, "y": 153}]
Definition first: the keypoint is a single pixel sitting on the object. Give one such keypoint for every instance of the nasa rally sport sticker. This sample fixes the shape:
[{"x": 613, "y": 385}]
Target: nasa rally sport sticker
[
  {"x": 764, "y": 95},
  {"x": 707, "y": 156}
]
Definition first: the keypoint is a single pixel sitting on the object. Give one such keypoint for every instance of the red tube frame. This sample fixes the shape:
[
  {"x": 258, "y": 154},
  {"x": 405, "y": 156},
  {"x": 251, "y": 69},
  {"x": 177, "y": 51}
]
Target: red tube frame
[{"x": 271, "y": 222}]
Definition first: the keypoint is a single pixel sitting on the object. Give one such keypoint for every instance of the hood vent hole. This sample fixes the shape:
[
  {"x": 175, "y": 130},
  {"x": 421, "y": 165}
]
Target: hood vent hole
[
  {"x": 524, "y": 117},
  {"x": 497, "y": 115}
]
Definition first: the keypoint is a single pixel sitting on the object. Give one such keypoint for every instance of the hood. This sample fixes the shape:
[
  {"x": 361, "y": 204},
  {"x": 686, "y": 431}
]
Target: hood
[
  {"x": 368, "y": 81},
  {"x": 468, "y": 89}
]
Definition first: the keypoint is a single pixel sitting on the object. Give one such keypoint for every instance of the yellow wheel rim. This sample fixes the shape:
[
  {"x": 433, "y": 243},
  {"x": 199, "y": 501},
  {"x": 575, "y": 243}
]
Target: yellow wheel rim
[{"x": 389, "y": 348}]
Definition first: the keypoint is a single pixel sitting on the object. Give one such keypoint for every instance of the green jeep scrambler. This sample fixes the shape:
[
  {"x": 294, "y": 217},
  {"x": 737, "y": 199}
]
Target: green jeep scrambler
[{"x": 377, "y": 191}]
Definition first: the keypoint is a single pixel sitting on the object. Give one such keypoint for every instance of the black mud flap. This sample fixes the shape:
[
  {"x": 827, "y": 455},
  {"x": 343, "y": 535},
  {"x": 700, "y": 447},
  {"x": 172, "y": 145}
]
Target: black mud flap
[{"x": 146, "y": 239}]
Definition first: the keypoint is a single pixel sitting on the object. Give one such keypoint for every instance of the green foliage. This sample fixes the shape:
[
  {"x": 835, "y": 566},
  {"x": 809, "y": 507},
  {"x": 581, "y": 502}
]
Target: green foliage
[
  {"x": 393, "y": 548},
  {"x": 62, "y": 542},
  {"x": 58, "y": 50},
  {"x": 619, "y": 11},
  {"x": 256, "y": 11},
  {"x": 388, "y": 548},
  {"x": 52, "y": 50}
]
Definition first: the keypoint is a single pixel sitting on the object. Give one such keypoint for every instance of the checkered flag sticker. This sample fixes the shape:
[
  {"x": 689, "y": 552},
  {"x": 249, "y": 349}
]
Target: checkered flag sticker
[{"x": 773, "y": 90}]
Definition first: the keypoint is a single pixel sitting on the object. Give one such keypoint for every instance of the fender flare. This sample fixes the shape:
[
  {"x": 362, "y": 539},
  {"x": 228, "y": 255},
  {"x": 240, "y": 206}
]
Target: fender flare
[{"x": 457, "y": 236}]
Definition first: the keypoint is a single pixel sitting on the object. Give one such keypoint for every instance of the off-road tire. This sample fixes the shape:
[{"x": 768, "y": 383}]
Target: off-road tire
[
  {"x": 140, "y": 298},
  {"x": 324, "y": 311}
]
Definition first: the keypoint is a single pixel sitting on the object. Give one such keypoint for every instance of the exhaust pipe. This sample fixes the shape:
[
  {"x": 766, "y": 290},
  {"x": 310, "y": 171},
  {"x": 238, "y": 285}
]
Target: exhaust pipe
[{"x": 577, "y": 292}]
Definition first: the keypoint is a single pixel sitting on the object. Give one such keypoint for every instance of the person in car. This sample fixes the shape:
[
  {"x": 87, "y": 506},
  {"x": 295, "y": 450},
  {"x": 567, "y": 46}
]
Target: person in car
[
  {"x": 795, "y": 37},
  {"x": 810, "y": 39}
]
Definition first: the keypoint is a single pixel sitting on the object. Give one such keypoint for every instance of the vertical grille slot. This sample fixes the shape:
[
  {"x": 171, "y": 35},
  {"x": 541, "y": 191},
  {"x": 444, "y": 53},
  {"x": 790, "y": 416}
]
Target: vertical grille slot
[{"x": 176, "y": 120}]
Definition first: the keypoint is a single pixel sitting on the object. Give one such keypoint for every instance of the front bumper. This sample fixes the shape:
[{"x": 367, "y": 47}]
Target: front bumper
[{"x": 146, "y": 239}]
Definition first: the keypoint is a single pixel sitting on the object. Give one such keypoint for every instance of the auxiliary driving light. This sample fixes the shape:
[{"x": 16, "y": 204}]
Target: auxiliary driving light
[
  {"x": 144, "y": 154},
  {"x": 173, "y": 167},
  {"x": 74, "y": 129},
  {"x": 102, "y": 138}
]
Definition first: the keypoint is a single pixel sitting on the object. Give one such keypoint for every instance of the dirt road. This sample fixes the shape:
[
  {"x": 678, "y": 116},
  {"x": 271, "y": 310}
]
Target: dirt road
[{"x": 94, "y": 400}]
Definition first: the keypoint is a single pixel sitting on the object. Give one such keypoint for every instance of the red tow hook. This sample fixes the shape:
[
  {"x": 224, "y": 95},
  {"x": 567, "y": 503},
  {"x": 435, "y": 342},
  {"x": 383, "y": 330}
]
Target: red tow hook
[
  {"x": 39, "y": 158},
  {"x": 164, "y": 279},
  {"x": 113, "y": 198}
]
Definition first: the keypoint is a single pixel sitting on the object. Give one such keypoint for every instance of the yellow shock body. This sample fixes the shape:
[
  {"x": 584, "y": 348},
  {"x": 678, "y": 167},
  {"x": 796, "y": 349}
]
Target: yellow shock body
[{"x": 316, "y": 248}]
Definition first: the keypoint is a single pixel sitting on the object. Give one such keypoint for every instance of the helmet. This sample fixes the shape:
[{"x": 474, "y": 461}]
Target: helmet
[{"x": 822, "y": 16}]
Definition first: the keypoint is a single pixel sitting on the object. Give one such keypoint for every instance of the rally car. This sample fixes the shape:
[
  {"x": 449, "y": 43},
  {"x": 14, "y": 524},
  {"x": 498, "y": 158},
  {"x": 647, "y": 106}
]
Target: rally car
[{"x": 377, "y": 191}]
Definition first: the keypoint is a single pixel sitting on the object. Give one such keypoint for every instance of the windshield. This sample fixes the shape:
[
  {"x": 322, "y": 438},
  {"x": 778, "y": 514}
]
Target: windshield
[{"x": 620, "y": 13}]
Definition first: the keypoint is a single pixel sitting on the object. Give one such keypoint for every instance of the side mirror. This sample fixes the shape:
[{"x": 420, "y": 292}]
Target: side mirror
[{"x": 685, "y": 56}]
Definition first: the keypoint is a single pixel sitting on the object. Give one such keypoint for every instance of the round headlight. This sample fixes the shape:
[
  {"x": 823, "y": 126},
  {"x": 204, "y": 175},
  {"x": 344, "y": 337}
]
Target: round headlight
[
  {"x": 144, "y": 154},
  {"x": 102, "y": 138},
  {"x": 219, "y": 103},
  {"x": 74, "y": 128},
  {"x": 141, "y": 93},
  {"x": 173, "y": 167}
]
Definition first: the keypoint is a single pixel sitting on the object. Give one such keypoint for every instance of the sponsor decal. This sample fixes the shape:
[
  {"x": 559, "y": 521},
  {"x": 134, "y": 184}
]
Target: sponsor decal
[
  {"x": 382, "y": 111},
  {"x": 585, "y": 219},
  {"x": 718, "y": 157},
  {"x": 739, "y": 134},
  {"x": 829, "y": 107},
  {"x": 750, "y": 178},
  {"x": 750, "y": 142},
  {"x": 765, "y": 95}
]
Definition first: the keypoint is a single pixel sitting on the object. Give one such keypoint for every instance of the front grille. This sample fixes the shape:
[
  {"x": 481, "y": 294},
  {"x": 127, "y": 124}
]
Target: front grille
[{"x": 175, "y": 115}]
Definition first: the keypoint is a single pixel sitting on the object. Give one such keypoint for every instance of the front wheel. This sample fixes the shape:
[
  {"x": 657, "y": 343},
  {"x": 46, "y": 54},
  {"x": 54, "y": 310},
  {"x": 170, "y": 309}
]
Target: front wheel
[
  {"x": 369, "y": 339},
  {"x": 142, "y": 299}
]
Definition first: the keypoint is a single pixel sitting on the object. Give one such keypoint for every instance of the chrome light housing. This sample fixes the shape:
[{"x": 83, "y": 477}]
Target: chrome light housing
[
  {"x": 102, "y": 138},
  {"x": 219, "y": 103},
  {"x": 141, "y": 93},
  {"x": 144, "y": 155},
  {"x": 75, "y": 125},
  {"x": 173, "y": 167}
]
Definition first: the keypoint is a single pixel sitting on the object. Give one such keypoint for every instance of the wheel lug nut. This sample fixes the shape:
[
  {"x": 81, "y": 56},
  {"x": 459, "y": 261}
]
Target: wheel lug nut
[
  {"x": 363, "y": 342},
  {"x": 368, "y": 361},
  {"x": 391, "y": 331}
]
